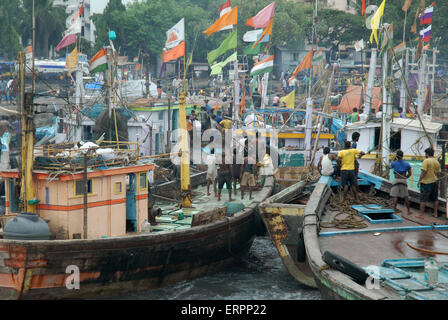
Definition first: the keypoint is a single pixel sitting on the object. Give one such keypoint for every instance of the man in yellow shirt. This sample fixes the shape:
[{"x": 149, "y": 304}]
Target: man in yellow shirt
[
  {"x": 346, "y": 160},
  {"x": 429, "y": 182},
  {"x": 226, "y": 124}
]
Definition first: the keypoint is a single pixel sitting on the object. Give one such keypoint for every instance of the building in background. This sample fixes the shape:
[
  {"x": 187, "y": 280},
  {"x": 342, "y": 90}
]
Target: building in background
[
  {"x": 71, "y": 7},
  {"x": 348, "y": 6}
]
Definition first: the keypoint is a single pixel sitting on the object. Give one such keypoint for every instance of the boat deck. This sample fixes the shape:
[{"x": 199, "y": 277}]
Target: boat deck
[
  {"x": 379, "y": 242},
  {"x": 201, "y": 203},
  {"x": 410, "y": 241}
]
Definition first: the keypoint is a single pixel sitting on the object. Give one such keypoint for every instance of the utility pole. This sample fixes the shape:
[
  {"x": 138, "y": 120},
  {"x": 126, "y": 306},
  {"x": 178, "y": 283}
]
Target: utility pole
[
  {"x": 145, "y": 57},
  {"x": 370, "y": 82}
]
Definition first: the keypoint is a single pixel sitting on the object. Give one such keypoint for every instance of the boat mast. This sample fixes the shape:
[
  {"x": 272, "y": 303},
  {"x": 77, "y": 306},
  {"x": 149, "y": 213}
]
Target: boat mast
[
  {"x": 33, "y": 47},
  {"x": 309, "y": 100},
  {"x": 185, "y": 187},
  {"x": 370, "y": 82},
  {"x": 27, "y": 154},
  {"x": 79, "y": 76},
  {"x": 387, "y": 106}
]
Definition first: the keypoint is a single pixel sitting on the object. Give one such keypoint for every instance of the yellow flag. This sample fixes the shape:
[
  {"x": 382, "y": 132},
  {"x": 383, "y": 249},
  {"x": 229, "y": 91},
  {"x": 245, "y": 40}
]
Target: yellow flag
[
  {"x": 72, "y": 59},
  {"x": 289, "y": 100},
  {"x": 375, "y": 23}
]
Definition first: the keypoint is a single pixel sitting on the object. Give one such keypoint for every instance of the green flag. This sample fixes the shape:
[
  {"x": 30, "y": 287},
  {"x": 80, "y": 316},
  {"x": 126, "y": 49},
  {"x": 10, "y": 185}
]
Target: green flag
[
  {"x": 229, "y": 43},
  {"x": 217, "y": 67},
  {"x": 252, "y": 52}
]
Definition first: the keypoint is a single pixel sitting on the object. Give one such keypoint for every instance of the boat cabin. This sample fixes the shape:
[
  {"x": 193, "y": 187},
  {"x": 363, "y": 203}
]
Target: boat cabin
[
  {"x": 117, "y": 195},
  {"x": 407, "y": 135}
]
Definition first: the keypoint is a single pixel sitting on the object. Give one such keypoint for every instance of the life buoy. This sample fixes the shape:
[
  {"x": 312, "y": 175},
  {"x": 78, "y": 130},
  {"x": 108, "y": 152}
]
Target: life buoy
[
  {"x": 301, "y": 251},
  {"x": 345, "y": 266}
]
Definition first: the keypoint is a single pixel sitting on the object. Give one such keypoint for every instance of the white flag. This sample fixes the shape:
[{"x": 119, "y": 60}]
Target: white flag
[
  {"x": 359, "y": 45},
  {"x": 175, "y": 35}
]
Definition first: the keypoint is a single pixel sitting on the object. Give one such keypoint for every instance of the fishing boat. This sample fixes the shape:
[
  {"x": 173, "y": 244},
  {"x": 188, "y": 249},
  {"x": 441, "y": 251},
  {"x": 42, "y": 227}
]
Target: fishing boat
[
  {"x": 283, "y": 216},
  {"x": 368, "y": 251},
  {"x": 77, "y": 220}
]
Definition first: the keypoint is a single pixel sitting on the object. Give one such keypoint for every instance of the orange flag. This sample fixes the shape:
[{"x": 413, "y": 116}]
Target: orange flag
[
  {"x": 305, "y": 64},
  {"x": 267, "y": 32},
  {"x": 174, "y": 53},
  {"x": 229, "y": 19},
  {"x": 363, "y": 10},
  {"x": 243, "y": 103}
]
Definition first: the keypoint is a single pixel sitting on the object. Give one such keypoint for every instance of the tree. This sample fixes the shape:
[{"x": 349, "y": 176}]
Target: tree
[
  {"x": 10, "y": 14},
  {"x": 50, "y": 25}
]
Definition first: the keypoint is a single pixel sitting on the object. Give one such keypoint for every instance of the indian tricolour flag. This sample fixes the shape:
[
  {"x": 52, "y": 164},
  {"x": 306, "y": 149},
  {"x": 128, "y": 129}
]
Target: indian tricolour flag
[
  {"x": 98, "y": 62},
  {"x": 266, "y": 65},
  {"x": 318, "y": 57}
]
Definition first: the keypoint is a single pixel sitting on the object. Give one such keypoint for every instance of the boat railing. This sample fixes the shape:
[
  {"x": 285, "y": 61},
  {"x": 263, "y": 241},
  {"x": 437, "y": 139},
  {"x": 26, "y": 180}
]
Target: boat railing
[{"x": 70, "y": 157}]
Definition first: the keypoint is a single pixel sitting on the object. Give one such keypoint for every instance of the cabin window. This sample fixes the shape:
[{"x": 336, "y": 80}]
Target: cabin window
[
  {"x": 118, "y": 187},
  {"x": 395, "y": 141},
  {"x": 79, "y": 187},
  {"x": 143, "y": 181}
]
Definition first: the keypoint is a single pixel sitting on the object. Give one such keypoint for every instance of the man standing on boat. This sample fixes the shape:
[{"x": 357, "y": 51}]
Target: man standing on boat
[
  {"x": 402, "y": 172},
  {"x": 346, "y": 161},
  {"x": 429, "y": 182},
  {"x": 325, "y": 165},
  {"x": 212, "y": 173},
  {"x": 225, "y": 177}
]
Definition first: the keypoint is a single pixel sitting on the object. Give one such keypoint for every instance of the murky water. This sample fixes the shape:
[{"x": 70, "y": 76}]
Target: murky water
[{"x": 261, "y": 276}]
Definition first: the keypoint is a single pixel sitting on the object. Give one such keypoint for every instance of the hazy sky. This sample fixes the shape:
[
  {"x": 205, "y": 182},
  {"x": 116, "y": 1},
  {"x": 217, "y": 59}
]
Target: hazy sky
[{"x": 99, "y": 5}]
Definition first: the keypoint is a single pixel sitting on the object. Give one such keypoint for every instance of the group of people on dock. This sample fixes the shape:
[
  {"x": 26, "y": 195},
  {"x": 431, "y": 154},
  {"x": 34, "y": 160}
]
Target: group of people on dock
[{"x": 347, "y": 167}]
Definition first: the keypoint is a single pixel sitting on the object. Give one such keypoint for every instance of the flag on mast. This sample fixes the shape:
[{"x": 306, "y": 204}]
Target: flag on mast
[
  {"x": 66, "y": 41},
  {"x": 375, "y": 23},
  {"x": 228, "y": 19},
  {"x": 263, "y": 18},
  {"x": 229, "y": 43},
  {"x": 305, "y": 64},
  {"x": 425, "y": 34},
  {"x": 406, "y": 5},
  {"x": 289, "y": 99},
  {"x": 426, "y": 17},
  {"x": 225, "y": 8},
  {"x": 98, "y": 62},
  {"x": 266, "y": 65},
  {"x": 175, "y": 43},
  {"x": 267, "y": 32}
]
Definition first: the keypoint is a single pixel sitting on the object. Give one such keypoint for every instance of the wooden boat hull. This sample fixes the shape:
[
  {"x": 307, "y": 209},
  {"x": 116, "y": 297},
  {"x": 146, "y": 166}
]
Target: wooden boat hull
[
  {"x": 333, "y": 284},
  {"x": 283, "y": 222},
  {"x": 107, "y": 267}
]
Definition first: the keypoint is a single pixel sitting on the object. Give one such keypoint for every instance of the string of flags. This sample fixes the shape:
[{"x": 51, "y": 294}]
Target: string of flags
[{"x": 425, "y": 19}]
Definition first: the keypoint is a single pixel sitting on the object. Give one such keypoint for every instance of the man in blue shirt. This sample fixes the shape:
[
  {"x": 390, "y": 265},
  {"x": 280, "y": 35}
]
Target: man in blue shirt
[
  {"x": 207, "y": 107},
  {"x": 402, "y": 172},
  {"x": 219, "y": 117}
]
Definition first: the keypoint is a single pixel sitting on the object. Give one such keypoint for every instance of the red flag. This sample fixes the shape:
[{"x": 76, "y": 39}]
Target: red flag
[
  {"x": 80, "y": 11},
  {"x": 226, "y": 5},
  {"x": 66, "y": 41}
]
